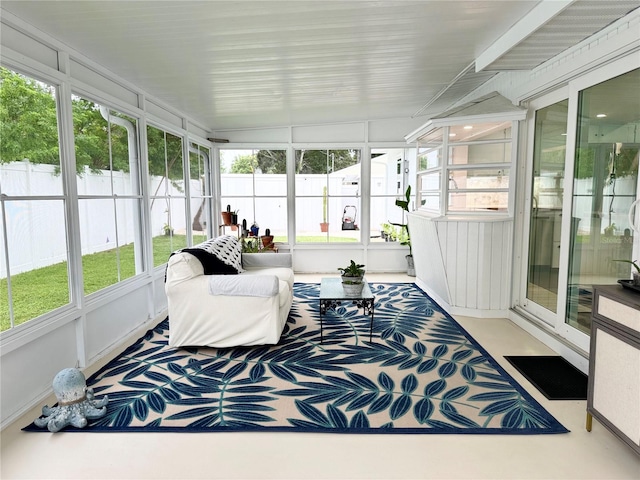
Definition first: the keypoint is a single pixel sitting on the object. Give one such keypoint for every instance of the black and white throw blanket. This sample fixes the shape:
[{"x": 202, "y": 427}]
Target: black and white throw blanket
[{"x": 219, "y": 256}]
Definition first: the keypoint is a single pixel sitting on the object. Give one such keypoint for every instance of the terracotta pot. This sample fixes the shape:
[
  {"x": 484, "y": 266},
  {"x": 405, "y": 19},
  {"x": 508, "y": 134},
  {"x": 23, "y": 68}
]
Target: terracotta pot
[
  {"x": 324, "y": 227},
  {"x": 267, "y": 241},
  {"x": 226, "y": 218}
]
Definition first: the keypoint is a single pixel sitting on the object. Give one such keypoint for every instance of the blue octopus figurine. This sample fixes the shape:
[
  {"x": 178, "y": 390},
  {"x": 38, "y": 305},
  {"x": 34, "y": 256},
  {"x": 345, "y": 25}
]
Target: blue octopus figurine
[{"x": 76, "y": 403}]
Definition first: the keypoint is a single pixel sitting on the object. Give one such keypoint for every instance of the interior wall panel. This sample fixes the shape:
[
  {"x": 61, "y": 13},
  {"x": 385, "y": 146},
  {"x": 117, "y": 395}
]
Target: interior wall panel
[
  {"x": 459, "y": 275},
  {"x": 162, "y": 113},
  {"x": 311, "y": 260},
  {"x": 386, "y": 259},
  {"x": 259, "y": 135},
  {"x": 28, "y": 46},
  {"x": 113, "y": 322},
  {"x": 89, "y": 76},
  {"x": 344, "y": 132},
  {"x": 27, "y": 373},
  {"x": 475, "y": 239},
  {"x": 198, "y": 131},
  {"x": 393, "y": 129},
  {"x": 160, "y": 303},
  {"x": 428, "y": 258},
  {"x": 474, "y": 256}
]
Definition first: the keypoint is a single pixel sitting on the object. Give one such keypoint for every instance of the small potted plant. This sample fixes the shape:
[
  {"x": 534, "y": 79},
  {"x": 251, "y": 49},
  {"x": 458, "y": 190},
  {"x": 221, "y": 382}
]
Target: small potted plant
[
  {"x": 352, "y": 276},
  {"x": 226, "y": 216},
  {"x": 636, "y": 273},
  {"x": 234, "y": 217},
  {"x": 250, "y": 245},
  {"x": 168, "y": 231},
  {"x": 389, "y": 233},
  {"x": 267, "y": 240}
]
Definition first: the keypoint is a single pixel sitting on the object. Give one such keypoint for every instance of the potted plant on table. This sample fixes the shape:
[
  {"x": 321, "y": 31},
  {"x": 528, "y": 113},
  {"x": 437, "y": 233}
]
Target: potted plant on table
[{"x": 352, "y": 276}]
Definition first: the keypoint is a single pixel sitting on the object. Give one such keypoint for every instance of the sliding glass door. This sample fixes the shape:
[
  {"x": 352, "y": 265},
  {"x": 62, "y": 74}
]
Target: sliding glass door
[
  {"x": 582, "y": 178},
  {"x": 604, "y": 187},
  {"x": 545, "y": 209}
]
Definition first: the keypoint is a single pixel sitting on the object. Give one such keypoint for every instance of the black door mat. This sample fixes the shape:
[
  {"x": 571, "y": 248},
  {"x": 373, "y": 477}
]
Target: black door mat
[{"x": 556, "y": 378}]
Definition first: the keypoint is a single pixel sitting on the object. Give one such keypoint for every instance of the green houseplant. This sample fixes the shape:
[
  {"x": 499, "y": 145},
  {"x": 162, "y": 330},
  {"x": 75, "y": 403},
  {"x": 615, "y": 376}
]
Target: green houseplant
[
  {"x": 352, "y": 273},
  {"x": 352, "y": 276},
  {"x": 405, "y": 238},
  {"x": 389, "y": 233}
]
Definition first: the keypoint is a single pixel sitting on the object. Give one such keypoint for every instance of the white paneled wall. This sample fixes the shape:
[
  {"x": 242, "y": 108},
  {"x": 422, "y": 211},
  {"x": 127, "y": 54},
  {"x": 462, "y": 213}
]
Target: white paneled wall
[
  {"x": 428, "y": 258},
  {"x": 464, "y": 262}
]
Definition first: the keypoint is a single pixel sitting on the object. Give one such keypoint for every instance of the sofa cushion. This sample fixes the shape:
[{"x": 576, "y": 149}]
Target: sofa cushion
[
  {"x": 266, "y": 260},
  {"x": 284, "y": 274}
]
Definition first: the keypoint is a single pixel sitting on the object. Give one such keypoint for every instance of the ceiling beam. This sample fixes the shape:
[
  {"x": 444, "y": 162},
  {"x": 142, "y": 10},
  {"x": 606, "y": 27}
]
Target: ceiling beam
[{"x": 532, "y": 21}]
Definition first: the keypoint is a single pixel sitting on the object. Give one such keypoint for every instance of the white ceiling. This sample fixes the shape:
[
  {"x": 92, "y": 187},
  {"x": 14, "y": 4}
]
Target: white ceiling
[{"x": 243, "y": 64}]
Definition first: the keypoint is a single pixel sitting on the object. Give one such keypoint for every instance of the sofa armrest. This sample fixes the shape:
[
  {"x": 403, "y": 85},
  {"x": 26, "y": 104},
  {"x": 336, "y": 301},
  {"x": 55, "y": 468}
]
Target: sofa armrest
[
  {"x": 183, "y": 266},
  {"x": 266, "y": 260}
]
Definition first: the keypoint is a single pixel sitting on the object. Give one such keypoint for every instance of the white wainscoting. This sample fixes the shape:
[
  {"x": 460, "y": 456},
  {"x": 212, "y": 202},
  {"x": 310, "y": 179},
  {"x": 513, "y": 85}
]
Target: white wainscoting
[{"x": 464, "y": 263}]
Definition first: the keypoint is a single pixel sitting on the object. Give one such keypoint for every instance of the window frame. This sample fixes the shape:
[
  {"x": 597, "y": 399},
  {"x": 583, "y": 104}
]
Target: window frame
[
  {"x": 445, "y": 167},
  {"x": 63, "y": 197},
  {"x": 405, "y": 171},
  {"x": 361, "y": 212},
  {"x": 222, "y": 196}
]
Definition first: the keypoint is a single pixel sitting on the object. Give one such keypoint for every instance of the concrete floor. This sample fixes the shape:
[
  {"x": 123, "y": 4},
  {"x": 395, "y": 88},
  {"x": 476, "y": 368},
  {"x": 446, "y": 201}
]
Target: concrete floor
[{"x": 576, "y": 455}]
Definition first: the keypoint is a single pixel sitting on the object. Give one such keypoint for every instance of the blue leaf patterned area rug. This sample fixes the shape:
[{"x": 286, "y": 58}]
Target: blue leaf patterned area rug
[{"x": 421, "y": 374}]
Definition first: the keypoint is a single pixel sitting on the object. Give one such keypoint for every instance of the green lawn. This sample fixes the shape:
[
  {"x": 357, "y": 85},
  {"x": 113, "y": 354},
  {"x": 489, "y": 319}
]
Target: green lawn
[{"x": 44, "y": 289}]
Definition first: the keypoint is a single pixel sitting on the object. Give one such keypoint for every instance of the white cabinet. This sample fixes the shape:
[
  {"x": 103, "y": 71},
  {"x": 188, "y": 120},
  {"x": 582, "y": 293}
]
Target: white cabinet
[{"x": 614, "y": 363}]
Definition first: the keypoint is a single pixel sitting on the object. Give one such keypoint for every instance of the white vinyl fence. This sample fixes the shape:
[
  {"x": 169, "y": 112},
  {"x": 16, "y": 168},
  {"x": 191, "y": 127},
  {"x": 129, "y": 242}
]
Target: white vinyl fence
[{"x": 36, "y": 234}]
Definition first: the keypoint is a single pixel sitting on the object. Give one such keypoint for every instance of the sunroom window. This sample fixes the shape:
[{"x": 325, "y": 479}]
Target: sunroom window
[
  {"x": 328, "y": 194},
  {"x": 34, "y": 270},
  {"x": 465, "y": 158},
  {"x": 253, "y": 183}
]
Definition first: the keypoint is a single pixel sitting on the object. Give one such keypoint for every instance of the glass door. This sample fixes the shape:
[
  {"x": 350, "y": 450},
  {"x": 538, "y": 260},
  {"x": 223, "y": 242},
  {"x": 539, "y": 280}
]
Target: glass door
[
  {"x": 605, "y": 184},
  {"x": 545, "y": 210}
]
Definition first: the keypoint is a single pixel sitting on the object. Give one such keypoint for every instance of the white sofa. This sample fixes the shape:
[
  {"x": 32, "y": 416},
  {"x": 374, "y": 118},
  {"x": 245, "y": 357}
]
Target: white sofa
[{"x": 250, "y": 308}]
